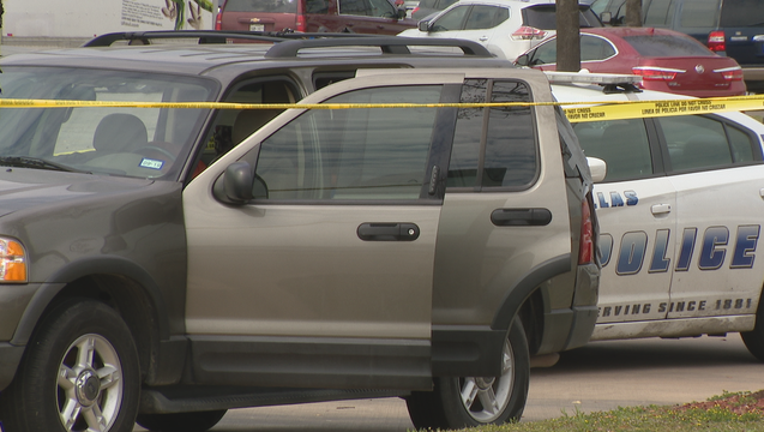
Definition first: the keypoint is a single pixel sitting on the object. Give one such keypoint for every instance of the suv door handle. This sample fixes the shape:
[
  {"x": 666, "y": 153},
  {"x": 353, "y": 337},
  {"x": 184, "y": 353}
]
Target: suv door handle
[
  {"x": 386, "y": 231},
  {"x": 657, "y": 209},
  {"x": 483, "y": 38},
  {"x": 521, "y": 217}
]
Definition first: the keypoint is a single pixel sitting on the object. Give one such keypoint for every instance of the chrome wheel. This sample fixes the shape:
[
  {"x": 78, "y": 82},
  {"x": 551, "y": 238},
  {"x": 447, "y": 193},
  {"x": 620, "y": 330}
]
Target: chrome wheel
[
  {"x": 90, "y": 386},
  {"x": 485, "y": 399}
]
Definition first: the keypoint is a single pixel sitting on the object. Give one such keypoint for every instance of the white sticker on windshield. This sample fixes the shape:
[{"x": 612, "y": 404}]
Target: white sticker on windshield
[{"x": 151, "y": 164}]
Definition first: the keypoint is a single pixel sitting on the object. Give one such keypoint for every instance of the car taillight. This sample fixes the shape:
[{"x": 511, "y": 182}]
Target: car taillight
[
  {"x": 731, "y": 74},
  {"x": 649, "y": 73},
  {"x": 219, "y": 21},
  {"x": 586, "y": 245},
  {"x": 716, "y": 41},
  {"x": 527, "y": 33},
  {"x": 301, "y": 23}
]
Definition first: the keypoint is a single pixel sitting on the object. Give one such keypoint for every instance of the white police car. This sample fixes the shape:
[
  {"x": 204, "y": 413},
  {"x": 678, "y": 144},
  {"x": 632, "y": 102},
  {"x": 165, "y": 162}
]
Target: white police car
[{"x": 680, "y": 214}]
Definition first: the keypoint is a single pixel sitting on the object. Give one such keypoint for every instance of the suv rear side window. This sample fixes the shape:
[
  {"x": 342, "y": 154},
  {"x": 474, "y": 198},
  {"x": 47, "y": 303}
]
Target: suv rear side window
[
  {"x": 667, "y": 46},
  {"x": 484, "y": 17},
  {"x": 742, "y": 13},
  {"x": 659, "y": 13},
  {"x": 506, "y": 155},
  {"x": 270, "y": 6}
]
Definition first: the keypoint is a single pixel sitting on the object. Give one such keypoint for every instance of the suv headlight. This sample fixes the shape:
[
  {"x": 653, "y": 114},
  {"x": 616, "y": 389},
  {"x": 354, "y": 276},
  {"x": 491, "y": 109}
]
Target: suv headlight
[{"x": 13, "y": 261}]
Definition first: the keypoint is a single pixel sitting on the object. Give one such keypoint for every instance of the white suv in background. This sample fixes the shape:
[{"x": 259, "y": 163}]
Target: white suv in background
[
  {"x": 680, "y": 215},
  {"x": 506, "y": 27}
]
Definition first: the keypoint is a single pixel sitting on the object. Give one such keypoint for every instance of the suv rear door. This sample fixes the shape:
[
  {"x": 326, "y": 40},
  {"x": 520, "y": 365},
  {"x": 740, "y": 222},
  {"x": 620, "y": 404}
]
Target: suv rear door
[{"x": 325, "y": 277}]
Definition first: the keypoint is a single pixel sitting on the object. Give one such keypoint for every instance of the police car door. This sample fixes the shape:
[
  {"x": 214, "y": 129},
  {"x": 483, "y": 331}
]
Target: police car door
[
  {"x": 635, "y": 210},
  {"x": 325, "y": 277},
  {"x": 718, "y": 175}
]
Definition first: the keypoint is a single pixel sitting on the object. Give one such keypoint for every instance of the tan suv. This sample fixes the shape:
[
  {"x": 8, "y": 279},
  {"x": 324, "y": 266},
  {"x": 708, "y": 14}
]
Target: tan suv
[{"x": 157, "y": 264}]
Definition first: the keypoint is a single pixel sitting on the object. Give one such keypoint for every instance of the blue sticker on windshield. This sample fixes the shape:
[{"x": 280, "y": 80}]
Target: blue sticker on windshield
[{"x": 151, "y": 164}]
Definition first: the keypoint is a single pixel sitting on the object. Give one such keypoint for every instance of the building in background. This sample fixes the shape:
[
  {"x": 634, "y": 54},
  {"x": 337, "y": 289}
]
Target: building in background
[{"x": 86, "y": 18}]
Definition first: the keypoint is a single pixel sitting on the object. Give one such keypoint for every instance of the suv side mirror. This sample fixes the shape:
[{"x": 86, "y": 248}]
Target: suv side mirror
[
  {"x": 401, "y": 13},
  {"x": 606, "y": 17},
  {"x": 424, "y": 26},
  {"x": 598, "y": 168},
  {"x": 236, "y": 184}
]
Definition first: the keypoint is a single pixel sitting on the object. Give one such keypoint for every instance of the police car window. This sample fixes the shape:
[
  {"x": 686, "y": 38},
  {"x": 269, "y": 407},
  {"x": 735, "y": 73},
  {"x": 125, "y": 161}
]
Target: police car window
[
  {"x": 452, "y": 20},
  {"x": 509, "y": 158},
  {"x": 358, "y": 154},
  {"x": 622, "y": 144},
  {"x": 742, "y": 149},
  {"x": 595, "y": 48},
  {"x": 695, "y": 142}
]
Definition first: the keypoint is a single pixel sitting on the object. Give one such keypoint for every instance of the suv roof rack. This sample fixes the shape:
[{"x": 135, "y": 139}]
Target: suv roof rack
[
  {"x": 290, "y": 43},
  {"x": 611, "y": 83},
  {"x": 388, "y": 45},
  {"x": 207, "y": 36}
]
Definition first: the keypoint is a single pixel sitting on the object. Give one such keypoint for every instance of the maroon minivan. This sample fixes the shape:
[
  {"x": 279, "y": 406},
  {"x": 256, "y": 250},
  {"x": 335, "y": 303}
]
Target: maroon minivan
[{"x": 356, "y": 16}]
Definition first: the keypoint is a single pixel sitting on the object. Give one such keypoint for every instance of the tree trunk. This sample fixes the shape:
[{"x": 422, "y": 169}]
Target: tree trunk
[
  {"x": 633, "y": 13},
  {"x": 568, "y": 46}
]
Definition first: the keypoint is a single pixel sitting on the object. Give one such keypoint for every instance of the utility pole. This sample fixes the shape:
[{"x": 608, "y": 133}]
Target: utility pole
[
  {"x": 633, "y": 13},
  {"x": 568, "y": 45}
]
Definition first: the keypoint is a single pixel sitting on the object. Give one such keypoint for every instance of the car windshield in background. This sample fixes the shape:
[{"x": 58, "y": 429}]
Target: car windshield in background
[
  {"x": 667, "y": 46},
  {"x": 272, "y": 6},
  {"x": 544, "y": 17},
  {"x": 136, "y": 142},
  {"x": 742, "y": 13}
]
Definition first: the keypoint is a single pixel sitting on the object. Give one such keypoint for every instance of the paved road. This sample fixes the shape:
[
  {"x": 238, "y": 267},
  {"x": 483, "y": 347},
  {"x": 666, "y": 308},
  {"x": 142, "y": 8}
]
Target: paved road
[{"x": 600, "y": 376}]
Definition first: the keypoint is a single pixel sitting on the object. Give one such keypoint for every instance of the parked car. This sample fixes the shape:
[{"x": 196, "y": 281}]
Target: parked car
[
  {"x": 666, "y": 60},
  {"x": 354, "y": 16},
  {"x": 175, "y": 262},
  {"x": 680, "y": 214},
  {"x": 733, "y": 28},
  {"x": 506, "y": 27}
]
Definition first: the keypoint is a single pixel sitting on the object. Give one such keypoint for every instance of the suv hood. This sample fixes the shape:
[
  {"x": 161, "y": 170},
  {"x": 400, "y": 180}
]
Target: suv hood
[{"x": 23, "y": 188}]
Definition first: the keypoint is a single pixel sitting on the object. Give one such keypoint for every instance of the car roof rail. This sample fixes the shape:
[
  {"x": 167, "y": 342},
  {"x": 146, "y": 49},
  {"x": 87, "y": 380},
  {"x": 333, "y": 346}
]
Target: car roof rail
[
  {"x": 388, "y": 45},
  {"x": 207, "y": 36},
  {"x": 611, "y": 83}
]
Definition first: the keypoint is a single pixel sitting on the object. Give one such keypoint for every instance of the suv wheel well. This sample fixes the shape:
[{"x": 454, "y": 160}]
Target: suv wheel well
[
  {"x": 130, "y": 301},
  {"x": 532, "y": 315}
]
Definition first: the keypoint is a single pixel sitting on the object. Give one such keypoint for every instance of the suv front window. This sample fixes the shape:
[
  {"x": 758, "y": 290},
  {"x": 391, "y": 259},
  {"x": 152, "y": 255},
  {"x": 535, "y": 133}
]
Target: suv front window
[
  {"x": 367, "y": 153},
  {"x": 137, "y": 142}
]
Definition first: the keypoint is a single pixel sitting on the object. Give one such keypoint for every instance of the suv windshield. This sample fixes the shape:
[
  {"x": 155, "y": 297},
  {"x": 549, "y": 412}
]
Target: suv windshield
[
  {"x": 667, "y": 46},
  {"x": 544, "y": 17},
  {"x": 136, "y": 142},
  {"x": 273, "y": 6},
  {"x": 742, "y": 13}
]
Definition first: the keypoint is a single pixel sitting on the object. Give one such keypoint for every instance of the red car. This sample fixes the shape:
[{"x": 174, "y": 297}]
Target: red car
[
  {"x": 667, "y": 60},
  {"x": 356, "y": 16}
]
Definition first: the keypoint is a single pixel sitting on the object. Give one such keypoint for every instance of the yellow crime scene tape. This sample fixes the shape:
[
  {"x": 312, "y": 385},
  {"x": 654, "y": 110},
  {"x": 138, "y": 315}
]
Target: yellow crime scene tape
[{"x": 575, "y": 111}]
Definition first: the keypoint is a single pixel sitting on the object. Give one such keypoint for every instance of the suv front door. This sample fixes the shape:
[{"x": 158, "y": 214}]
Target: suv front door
[{"x": 325, "y": 277}]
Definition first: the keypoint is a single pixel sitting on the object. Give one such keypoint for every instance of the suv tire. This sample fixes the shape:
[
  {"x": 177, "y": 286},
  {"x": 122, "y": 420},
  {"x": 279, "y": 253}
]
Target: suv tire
[
  {"x": 84, "y": 371},
  {"x": 447, "y": 407},
  {"x": 198, "y": 421}
]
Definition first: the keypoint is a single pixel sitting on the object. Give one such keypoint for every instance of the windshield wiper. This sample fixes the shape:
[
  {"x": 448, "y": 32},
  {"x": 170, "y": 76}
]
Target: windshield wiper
[{"x": 37, "y": 163}]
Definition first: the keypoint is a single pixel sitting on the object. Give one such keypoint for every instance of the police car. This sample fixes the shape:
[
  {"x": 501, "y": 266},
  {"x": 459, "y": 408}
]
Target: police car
[{"x": 680, "y": 212}]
